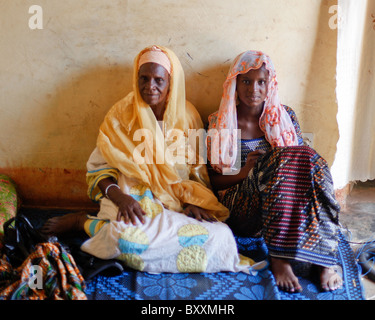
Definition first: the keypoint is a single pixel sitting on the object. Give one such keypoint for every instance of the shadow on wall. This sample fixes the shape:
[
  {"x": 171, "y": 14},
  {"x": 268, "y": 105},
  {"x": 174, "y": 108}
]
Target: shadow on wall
[
  {"x": 322, "y": 75},
  {"x": 363, "y": 140}
]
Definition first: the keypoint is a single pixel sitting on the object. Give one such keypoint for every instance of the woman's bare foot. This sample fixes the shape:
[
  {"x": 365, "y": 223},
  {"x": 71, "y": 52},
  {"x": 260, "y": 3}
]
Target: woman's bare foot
[
  {"x": 330, "y": 280},
  {"x": 65, "y": 223},
  {"x": 284, "y": 275}
]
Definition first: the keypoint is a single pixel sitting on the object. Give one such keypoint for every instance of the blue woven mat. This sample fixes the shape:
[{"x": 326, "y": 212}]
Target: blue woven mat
[{"x": 132, "y": 285}]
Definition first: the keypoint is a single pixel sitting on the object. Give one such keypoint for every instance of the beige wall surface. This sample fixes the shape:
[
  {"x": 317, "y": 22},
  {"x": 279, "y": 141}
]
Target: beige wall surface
[{"x": 57, "y": 83}]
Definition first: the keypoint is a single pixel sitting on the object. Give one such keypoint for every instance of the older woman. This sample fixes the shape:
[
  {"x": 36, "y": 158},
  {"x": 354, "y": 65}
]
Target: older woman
[
  {"x": 148, "y": 194},
  {"x": 276, "y": 187}
]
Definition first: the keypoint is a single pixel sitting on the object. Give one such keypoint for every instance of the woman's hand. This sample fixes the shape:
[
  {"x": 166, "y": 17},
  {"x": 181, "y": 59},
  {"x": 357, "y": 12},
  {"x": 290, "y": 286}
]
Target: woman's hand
[
  {"x": 198, "y": 213},
  {"x": 224, "y": 181},
  {"x": 251, "y": 159},
  {"x": 129, "y": 209}
]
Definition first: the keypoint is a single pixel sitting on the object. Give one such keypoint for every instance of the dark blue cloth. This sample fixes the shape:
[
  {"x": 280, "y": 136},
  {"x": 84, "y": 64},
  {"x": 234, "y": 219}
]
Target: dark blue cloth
[{"x": 133, "y": 285}]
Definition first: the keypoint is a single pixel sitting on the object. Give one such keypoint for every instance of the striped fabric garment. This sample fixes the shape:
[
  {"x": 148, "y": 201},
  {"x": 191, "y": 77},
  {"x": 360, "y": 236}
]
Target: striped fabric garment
[{"x": 288, "y": 198}]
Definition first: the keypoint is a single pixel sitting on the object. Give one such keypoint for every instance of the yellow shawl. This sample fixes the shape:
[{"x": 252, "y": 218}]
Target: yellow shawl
[{"x": 171, "y": 183}]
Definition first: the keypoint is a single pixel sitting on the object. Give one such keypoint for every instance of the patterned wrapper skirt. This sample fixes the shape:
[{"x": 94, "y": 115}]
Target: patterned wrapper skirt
[
  {"x": 288, "y": 199},
  {"x": 49, "y": 273}
]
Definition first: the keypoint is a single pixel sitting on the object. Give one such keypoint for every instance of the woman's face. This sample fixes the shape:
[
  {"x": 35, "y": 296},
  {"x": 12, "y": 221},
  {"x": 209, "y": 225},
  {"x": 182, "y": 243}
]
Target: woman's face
[
  {"x": 252, "y": 87},
  {"x": 153, "y": 83}
]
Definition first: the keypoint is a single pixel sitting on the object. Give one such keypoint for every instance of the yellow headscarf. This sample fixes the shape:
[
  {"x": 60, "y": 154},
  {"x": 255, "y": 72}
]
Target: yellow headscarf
[{"x": 170, "y": 182}]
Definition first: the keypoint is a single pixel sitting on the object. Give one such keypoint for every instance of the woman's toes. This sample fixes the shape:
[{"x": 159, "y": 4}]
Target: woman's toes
[{"x": 330, "y": 279}]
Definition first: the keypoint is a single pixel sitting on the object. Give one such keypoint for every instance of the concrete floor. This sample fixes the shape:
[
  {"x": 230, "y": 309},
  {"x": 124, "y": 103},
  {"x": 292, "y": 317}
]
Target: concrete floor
[{"x": 358, "y": 217}]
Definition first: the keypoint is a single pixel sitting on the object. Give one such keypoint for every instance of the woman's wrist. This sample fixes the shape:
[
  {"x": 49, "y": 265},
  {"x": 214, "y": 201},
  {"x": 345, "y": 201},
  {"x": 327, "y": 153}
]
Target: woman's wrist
[
  {"x": 118, "y": 197},
  {"x": 112, "y": 185},
  {"x": 244, "y": 172},
  {"x": 115, "y": 195}
]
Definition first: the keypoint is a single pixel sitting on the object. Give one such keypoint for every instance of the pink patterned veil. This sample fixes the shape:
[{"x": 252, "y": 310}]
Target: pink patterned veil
[{"x": 274, "y": 121}]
